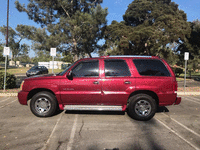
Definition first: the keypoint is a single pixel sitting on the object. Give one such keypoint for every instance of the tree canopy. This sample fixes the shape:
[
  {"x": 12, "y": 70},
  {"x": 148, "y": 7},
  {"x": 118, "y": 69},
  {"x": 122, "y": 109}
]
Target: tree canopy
[
  {"x": 192, "y": 45},
  {"x": 14, "y": 40},
  {"x": 149, "y": 27},
  {"x": 69, "y": 25},
  {"x": 1, "y": 53}
]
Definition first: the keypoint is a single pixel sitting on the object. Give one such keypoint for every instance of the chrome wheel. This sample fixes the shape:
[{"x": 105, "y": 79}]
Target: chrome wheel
[
  {"x": 42, "y": 105},
  {"x": 143, "y": 108}
]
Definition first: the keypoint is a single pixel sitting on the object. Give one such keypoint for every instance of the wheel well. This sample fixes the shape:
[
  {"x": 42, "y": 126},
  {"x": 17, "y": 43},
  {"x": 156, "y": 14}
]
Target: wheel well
[
  {"x": 150, "y": 93},
  {"x": 35, "y": 91}
]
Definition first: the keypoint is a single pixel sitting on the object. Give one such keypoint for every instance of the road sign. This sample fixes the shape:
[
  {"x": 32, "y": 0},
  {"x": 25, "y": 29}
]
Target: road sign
[
  {"x": 6, "y": 51},
  {"x": 186, "y": 56},
  {"x": 53, "y": 52}
]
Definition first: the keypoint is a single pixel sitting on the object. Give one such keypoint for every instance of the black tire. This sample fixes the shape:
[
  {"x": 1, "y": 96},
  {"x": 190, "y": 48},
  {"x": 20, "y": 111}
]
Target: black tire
[
  {"x": 141, "y": 107},
  {"x": 43, "y": 104}
]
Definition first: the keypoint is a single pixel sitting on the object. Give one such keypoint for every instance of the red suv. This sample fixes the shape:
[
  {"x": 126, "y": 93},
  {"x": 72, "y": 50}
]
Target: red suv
[{"x": 138, "y": 84}]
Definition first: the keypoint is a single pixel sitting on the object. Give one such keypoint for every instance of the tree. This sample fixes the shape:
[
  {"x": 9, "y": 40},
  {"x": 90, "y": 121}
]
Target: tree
[
  {"x": 67, "y": 57},
  {"x": 69, "y": 25},
  {"x": 148, "y": 27},
  {"x": 14, "y": 40},
  {"x": 42, "y": 56},
  {"x": 1, "y": 53},
  {"x": 192, "y": 45},
  {"x": 23, "y": 54}
]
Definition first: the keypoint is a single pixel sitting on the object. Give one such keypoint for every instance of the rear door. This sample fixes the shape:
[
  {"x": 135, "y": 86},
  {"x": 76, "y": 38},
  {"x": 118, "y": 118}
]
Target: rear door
[
  {"x": 117, "y": 82},
  {"x": 154, "y": 76}
]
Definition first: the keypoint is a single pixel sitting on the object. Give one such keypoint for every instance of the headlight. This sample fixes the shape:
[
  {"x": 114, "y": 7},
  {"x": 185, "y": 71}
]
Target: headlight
[{"x": 21, "y": 86}]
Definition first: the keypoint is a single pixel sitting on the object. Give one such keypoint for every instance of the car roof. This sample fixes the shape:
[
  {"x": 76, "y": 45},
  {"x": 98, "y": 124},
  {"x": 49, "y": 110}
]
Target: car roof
[{"x": 123, "y": 56}]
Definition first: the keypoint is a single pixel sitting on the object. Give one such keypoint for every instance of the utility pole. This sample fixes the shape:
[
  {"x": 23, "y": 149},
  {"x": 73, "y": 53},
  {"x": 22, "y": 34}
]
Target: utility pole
[
  {"x": 7, "y": 23},
  {"x": 6, "y": 44}
]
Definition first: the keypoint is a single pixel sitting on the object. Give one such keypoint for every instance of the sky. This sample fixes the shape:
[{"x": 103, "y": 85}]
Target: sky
[{"x": 116, "y": 9}]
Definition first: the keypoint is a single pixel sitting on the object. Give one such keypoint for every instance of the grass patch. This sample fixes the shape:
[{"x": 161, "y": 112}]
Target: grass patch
[
  {"x": 179, "y": 79},
  {"x": 15, "y": 70},
  {"x": 192, "y": 74},
  {"x": 55, "y": 70},
  {"x": 23, "y": 70}
]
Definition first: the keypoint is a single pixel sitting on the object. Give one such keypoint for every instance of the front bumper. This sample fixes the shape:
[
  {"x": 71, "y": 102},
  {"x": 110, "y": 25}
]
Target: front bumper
[
  {"x": 22, "y": 97},
  {"x": 178, "y": 101}
]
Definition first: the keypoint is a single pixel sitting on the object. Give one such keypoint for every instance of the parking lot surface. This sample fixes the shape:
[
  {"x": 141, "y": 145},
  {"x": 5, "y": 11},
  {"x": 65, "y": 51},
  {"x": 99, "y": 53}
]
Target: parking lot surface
[{"x": 172, "y": 128}]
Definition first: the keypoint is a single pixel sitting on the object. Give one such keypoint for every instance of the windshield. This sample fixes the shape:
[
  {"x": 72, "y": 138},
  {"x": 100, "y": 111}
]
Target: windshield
[
  {"x": 62, "y": 73},
  {"x": 34, "y": 67}
]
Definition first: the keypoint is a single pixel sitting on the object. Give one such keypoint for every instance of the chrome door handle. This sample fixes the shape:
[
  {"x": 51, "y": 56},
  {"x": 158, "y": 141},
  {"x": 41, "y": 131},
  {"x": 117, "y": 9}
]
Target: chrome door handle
[
  {"x": 95, "y": 82},
  {"x": 127, "y": 82}
]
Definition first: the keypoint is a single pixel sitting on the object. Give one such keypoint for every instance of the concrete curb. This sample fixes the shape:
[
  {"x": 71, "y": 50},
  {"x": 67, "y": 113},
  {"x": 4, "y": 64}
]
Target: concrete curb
[
  {"x": 188, "y": 93},
  {"x": 178, "y": 93},
  {"x": 9, "y": 94}
]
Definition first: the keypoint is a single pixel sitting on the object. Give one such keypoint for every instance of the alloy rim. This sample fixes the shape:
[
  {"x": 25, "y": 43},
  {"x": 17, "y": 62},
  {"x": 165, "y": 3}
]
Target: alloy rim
[{"x": 143, "y": 108}]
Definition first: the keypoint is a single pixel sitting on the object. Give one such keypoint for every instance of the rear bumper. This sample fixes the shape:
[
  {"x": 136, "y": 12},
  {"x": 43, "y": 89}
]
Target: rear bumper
[
  {"x": 178, "y": 101},
  {"x": 22, "y": 97}
]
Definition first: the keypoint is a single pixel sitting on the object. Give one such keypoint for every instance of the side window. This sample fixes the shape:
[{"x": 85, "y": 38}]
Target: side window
[
  {"x": 150, "y": 67},
  {"x": 86, "y": 69},
  {"x": 116, "y": 67}
]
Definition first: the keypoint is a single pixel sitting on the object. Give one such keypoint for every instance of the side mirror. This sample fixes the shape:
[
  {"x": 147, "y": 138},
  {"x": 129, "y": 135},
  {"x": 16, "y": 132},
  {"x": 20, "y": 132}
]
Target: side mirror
[{"x": 69, "y": 75}]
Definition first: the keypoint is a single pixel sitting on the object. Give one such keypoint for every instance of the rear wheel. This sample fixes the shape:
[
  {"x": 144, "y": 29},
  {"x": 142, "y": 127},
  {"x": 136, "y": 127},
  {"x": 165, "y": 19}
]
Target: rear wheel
[
  {"x": 43, "y": 104},
  {"x": 141, "y": 107}
]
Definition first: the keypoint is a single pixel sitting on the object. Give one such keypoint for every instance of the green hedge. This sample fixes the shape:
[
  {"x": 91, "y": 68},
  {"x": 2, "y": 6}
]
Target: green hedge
[
  {"x": 10, "y": 80},
  {"x": 177, "y": 71}
]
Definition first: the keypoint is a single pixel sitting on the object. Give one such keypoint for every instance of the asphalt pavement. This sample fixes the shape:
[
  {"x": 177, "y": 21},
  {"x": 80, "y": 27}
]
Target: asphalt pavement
[{"x": 173, "y": 127}]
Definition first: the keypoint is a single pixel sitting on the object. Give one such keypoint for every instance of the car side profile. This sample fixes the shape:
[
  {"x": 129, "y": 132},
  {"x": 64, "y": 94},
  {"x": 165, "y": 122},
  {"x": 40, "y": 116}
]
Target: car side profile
[
  {"x": 37, "y": 70},
  {"x": 136, "y": 84}
]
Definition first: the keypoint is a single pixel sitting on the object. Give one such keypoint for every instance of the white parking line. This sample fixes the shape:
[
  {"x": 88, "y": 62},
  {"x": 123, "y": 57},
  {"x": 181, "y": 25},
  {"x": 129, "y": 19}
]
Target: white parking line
[
  {"x": 194, "y": 98},
  {"x": 45, "y": 145},
  {"x": 177, "y": 134},
  {"x": 71, "y": 140},
  {"x": 5, "y": 99},
  {"x": 183, "y": 126},
  {"x": 8, "y": 103},
  {"x": 192, "y": 101}
]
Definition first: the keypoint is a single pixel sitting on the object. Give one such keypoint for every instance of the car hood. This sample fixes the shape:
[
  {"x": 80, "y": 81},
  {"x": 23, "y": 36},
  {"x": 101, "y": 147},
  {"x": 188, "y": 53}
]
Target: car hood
[
  {"x": 32, "y": 70},
  {"x": 40, "y": 77}
]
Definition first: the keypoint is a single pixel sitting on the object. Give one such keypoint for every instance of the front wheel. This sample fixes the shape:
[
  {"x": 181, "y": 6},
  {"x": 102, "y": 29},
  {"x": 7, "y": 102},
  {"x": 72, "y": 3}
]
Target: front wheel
[
  {"x": 43, "y": 104},
  {"x": 141, "y": 107}
]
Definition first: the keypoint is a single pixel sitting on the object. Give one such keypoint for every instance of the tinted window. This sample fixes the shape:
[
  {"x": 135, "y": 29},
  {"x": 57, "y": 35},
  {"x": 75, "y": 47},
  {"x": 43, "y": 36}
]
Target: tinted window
[
  {"x": 116, "y": 68},
  {"x": 86, "y": 69},
  {"x": 148, "y": 67}
]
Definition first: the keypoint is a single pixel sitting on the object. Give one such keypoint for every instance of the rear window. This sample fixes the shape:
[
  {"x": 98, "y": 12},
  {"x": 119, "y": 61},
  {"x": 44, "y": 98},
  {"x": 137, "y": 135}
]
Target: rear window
[{"x": 151, "y": 67}]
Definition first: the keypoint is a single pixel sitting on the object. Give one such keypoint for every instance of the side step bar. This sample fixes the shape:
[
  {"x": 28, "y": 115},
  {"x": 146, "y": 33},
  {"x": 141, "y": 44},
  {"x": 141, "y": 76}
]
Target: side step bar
[{"x": 93, "y": 107}]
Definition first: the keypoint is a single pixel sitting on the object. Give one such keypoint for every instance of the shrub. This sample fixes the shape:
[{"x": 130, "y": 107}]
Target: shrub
[
  {"x": 10, "y": 80},
  {"x": 178, "y": 71}
]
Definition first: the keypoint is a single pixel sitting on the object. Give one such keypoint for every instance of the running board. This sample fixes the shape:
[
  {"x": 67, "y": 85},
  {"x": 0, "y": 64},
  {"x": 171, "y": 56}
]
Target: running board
[{"x": 93, "y": 107}]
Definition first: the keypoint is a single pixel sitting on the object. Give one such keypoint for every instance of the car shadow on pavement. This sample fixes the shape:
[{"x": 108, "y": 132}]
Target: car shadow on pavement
[
  {"x": 159, "y": 110},
  {"x": 162, "y": 109},
  {"x": 147, "y": 138}
]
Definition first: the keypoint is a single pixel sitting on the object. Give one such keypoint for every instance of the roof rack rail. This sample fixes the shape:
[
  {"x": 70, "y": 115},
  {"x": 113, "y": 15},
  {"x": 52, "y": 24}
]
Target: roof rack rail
[{"x": 131, "y": 56}]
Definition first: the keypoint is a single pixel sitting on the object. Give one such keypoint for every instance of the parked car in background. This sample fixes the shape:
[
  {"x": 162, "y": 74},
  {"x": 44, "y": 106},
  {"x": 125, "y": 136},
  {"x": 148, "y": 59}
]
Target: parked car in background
[
  {"x": 37, "y": 70},
  {"x": 136, "y": 84}
]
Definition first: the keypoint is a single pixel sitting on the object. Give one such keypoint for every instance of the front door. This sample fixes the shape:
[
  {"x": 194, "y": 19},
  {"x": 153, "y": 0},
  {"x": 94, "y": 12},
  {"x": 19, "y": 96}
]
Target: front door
[{"x": 85, "y": 87}]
